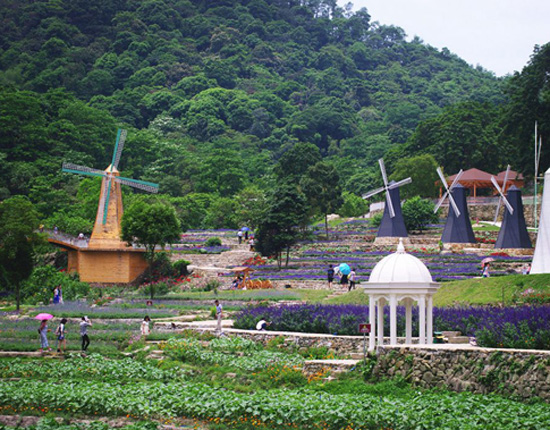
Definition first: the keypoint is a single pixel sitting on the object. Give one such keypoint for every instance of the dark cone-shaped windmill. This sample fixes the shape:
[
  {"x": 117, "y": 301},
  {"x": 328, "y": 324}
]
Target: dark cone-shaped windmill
[
  {"x": 513, "y": 231},
  {"x": 393, "y": 224},
  {"x": 458, "y": 228}
]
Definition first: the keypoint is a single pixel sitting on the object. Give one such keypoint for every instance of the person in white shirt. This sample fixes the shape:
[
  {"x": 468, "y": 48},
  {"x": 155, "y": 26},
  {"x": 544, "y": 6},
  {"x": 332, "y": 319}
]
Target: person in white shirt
[
  {"x": 145, "y": 329},
  {"x": 262, "y": 325}
]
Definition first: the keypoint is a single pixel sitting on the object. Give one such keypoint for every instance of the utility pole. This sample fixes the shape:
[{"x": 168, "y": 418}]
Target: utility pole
[{"x": 538, "y": 145}]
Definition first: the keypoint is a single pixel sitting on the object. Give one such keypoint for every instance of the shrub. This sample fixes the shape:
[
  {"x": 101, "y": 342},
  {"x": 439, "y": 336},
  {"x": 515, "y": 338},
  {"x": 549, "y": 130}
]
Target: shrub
[
  {"x": 353, "y": 206},
  {"x": 180, "y": 267},
  {"x": 213, "y": 241},
  {"x": 418, "y": 213},
  {"x": 376, "y": 219},
  {"x": 39, "y": 287}
]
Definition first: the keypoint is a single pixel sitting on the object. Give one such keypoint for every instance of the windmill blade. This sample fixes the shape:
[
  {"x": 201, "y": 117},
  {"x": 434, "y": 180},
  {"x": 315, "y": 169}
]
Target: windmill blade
[
  {"x": 102, "y": 206},
  {"x": 505, "y": 178},
  {"x": 373, "y": 192},
  {"x": 119, "y": 146},
  {"x": 442, "y": 177},
  {"x": 508, "y": 205},
  {"x": 390, "y": 204},
  {"x": 448, "y": 192},
  {"x": 498, "y": 208},
  {"x": 503, "y": 197},
  {"x": 81, "y": 170},
  {"x": 454, "y": 205},
  {"x": 399, "y": 183},
  {"x": 383, "y": 170},
  {"x": 142, "y": 185},
  {"x": 457, "y": 178},
  {"x": 495, "y": 184},
  {"x": 441, "y": 200},
  {"x": 106, "y": 199}
]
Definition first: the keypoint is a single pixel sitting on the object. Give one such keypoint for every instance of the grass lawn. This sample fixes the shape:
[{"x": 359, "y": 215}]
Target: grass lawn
[
  {"x": 477, "y": 291},
  {"x": 481, "y": 291}
]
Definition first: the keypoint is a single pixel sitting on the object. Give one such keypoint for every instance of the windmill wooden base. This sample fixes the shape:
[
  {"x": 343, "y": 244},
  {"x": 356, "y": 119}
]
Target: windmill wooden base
[{"x": 107, "y": 266}]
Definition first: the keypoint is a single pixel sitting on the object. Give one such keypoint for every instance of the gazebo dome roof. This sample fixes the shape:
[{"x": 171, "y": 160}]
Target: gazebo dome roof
[{"x": 400, "y": 268}]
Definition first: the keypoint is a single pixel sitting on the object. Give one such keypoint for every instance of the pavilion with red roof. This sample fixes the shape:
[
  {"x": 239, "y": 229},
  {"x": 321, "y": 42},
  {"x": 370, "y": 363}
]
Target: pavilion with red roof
[{"x": 475, "y": 178}]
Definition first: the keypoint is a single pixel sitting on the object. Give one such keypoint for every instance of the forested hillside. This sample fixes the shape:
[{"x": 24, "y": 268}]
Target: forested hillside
[{"x": 214, "y": 93}]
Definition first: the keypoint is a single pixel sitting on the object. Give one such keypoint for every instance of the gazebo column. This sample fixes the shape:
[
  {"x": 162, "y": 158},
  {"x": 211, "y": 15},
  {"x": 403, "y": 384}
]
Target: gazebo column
[
  {"x": 429, "y": 321},
  {"x": 393, "y": 319},
  {"x": 381, "y": 303},
  {"x": 372, "y": 322},
  {"x": 408, "y": 321},
  {"x": 422, "y": 320}
]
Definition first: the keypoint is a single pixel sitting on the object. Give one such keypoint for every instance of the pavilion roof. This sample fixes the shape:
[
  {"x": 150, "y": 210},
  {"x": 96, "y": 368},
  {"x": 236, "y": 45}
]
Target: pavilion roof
[
  {"x": 473, "y": 176},
  {"x": 480, "y": 179}
]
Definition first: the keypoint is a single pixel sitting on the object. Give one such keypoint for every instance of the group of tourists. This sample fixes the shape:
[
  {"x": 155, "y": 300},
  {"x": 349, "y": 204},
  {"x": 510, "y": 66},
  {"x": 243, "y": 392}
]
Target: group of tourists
[
  {"x": 243, "y": 234},
  {"x": 60, "y": 335},
  {"x": 347, "y": 279}
]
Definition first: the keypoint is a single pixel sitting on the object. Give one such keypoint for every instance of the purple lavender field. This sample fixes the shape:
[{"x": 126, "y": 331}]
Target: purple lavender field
[
  {"x": 350, "y": 243},
  {"x": 510, "y": 327}
]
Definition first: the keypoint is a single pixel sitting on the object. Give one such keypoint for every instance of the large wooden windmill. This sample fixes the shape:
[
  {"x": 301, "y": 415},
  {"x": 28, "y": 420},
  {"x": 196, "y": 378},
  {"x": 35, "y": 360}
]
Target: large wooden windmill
[
  {"x": 106, "y": 258},
  {"x": 107, "y": 229},
  {"x": 393, "y": 224}
]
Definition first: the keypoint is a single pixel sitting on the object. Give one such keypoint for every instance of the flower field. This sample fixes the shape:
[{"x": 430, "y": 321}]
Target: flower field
[
  {"x": 349, "y": 243},
  {"x": 312, "y": 263},
  {"x": 510, "y": 327}
]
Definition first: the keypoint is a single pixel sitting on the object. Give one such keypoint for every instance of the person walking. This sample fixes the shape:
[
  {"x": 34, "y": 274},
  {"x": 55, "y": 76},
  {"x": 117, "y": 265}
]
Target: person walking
[
  {"x": 486, "y": 273},
  {"x": 330, "y": 276},
  {"x": 56, "y": 296},
  {"x": 219, "y": 314},
  {"x": 43, "y": 332},
  {"x": 252, "y": 244},
  {"x": 351, "y": 279},
  {"x": 61, "y": 342},
  {"x": 240, "y": 236},
  {"x": 84, "y": 324},
  {"x": 145, "y": 329}
]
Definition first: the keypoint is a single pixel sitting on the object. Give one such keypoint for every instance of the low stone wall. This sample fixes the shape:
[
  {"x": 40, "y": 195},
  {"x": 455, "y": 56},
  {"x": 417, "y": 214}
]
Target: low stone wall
[
  {"x": 517, "y": 373},
  {"x": 340, "y": 345}
]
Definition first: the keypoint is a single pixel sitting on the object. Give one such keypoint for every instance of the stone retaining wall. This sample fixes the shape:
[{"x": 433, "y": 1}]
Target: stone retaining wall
[
  {"x": 487, "y": 212},
  {"x": 517, "y": 373},
  {"x": 340, "y": 345}
]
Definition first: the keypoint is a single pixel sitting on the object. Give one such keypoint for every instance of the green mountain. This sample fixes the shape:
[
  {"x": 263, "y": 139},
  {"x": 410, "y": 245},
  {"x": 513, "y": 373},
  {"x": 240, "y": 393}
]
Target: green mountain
[{"x": 213, "y": 93}]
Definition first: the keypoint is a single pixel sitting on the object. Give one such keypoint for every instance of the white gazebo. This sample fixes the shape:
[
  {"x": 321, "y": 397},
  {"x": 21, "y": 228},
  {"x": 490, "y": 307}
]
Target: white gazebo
[{"x": 400, "y": 277}]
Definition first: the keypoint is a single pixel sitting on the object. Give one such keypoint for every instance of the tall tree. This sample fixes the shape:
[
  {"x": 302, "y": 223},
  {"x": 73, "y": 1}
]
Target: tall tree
[
  {"x": 321, "y": 185},
  {"x": 280, "y": 227},
  {"x": 423, "y": 171},
  {"x": 294, "y": 163},
  {"x": 150, "y": 225},
  {"x": 529, "y": 93},
  {"x": 18, "y": 226}
]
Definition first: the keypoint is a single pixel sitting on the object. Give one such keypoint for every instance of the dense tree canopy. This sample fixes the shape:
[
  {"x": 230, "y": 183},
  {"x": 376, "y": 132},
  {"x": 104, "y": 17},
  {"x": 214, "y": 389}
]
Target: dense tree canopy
[
  {"x": 18, "y": 226},
  {"x": 221, "y": 97}
]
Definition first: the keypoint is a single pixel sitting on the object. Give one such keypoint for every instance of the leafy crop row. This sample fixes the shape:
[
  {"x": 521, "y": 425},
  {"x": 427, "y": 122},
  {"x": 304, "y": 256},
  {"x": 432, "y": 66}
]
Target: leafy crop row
[
  {"x": 305, "y": 408},
  {"x": 222, "y": 353},
  {"x": 93, "y": 367}
]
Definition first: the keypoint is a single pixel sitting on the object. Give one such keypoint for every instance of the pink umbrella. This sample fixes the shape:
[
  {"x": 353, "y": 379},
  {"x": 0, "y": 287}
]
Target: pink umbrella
[
  {"x": 43, "y": 316},
  {"x": 487, "y": 260}
]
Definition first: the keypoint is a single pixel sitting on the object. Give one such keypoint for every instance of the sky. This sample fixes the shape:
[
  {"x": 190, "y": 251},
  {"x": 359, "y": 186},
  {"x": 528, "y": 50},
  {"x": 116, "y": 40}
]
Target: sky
[{"x": 498, "y": 35}]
